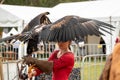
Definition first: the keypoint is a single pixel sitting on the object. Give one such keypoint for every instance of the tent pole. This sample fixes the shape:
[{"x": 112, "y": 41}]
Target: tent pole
[
  {"x": 111, "y": 32},
  {"x": 21, "y": 51}
]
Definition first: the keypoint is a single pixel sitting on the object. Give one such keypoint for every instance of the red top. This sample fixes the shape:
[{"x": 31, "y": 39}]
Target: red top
[{"x": 62, "y": 66}]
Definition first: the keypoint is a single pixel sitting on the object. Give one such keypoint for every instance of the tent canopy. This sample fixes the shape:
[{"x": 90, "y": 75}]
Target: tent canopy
[
  {"x": 90, "y": 9},
  {"x": 25, "y": 13},
  {"x": 8, "y": 20},
  {"x": 12, "y": 31}
]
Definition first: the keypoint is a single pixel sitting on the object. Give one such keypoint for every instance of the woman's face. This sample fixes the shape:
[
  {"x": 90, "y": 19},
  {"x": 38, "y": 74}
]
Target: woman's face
[{"x": 64, "y": 45}]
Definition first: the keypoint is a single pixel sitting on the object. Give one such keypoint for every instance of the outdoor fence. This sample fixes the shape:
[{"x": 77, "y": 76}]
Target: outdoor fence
[
  {"x": 10, "y": 70},
  {"x": 92, "y": 66},
  {"x": 89, "y": 60},
  {"x": 8, "y": 51},
  {"x": 11, "y": 53}
]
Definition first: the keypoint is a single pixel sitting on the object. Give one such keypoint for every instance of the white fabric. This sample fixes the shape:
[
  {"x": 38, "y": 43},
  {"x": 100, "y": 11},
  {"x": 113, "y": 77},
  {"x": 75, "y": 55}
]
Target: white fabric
[
  {"x": 7, "y": 19},
  {"x": 25, "y": 13},
  {"x": 88, "y": 9},
  {"x": 12, "y": 31},
  {"x": 16, "y": 44}
]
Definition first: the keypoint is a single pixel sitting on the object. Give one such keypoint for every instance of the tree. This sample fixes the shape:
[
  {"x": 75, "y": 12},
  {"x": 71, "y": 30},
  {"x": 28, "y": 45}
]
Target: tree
[{"x": 39, "y": 3}]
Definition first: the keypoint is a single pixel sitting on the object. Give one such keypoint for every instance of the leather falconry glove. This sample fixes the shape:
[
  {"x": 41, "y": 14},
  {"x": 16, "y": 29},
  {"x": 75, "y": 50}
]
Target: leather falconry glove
[{"x": 45, "y": 66}]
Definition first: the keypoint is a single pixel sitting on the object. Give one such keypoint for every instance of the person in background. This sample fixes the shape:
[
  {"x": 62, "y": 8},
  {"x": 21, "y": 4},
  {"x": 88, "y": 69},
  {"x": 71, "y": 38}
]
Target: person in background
[
  {"x": 60, "y": 63},
  {"x": 117, "y": 39},
  {"x": 110, "y": 70},
  {"x": 102, "y": 42}
]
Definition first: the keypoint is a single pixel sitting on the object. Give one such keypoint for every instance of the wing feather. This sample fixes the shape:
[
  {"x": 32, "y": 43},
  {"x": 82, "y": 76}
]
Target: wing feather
[
  {"x": 75, "y": 27},
  {"x": 38, "y": 20}
]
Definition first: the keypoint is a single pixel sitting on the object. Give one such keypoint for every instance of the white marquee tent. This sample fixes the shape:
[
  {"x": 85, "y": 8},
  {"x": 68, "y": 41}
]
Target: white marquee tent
[
  {"x": 12, "y": 31},
  {"x": 88, "y": 9},
  {"x": 8, "y": 20}
]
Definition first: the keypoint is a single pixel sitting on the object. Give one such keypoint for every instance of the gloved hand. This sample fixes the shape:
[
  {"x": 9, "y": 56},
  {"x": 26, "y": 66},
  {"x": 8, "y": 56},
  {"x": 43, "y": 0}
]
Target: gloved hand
[
  {"x": 29, "y": 60},
  {"x": 43, "y": 65}
]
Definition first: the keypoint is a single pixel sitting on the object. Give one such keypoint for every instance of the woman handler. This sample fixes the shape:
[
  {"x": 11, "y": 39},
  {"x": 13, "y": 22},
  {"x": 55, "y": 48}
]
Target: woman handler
[{"x": 60, "y": 63}]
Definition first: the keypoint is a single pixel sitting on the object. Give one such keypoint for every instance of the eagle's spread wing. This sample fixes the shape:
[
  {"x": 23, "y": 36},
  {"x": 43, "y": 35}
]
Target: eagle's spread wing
[
  {"x": 26, "y": 33},
  {"x": 64, "y": 29},
  {"x": 30, "y": 32},
  {"x": 73, "y": 28}
]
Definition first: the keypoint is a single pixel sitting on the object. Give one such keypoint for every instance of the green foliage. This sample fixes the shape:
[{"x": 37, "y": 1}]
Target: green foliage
[{"x": 40, "y": 3}]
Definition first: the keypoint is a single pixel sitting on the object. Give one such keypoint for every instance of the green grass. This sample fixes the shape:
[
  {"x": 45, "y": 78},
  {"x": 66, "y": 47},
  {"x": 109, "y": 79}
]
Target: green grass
[{"x": 90, "y": 70}]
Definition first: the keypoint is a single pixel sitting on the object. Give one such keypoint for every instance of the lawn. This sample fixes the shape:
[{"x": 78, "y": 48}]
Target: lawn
[{"x": 90, "y": 70}]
